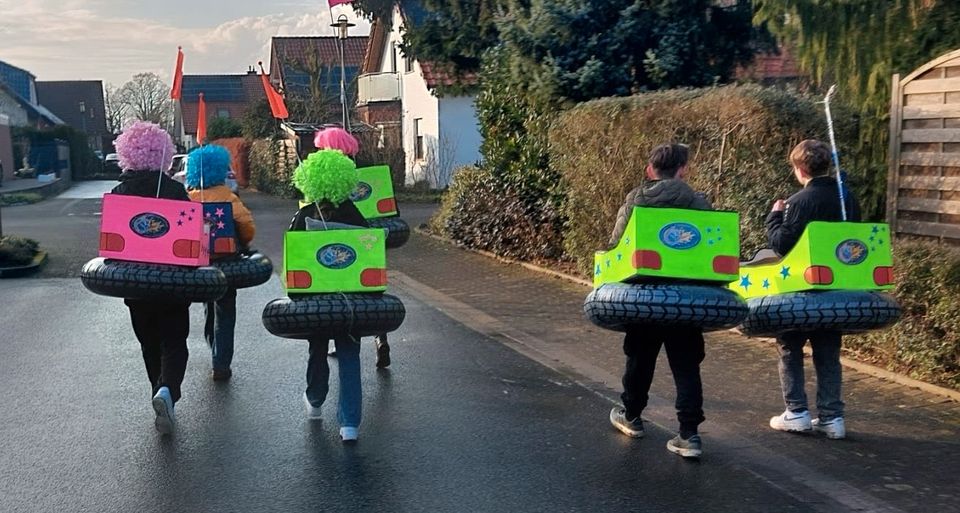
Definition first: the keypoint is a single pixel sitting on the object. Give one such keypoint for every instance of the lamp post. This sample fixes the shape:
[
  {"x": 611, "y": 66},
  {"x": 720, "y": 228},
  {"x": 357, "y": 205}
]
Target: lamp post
[{"x": 342, "y": 25}]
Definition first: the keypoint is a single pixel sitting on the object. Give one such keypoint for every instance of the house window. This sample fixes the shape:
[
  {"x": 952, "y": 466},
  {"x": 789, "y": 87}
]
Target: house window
[
  {"x": 408, "y": 63},
  {"x": 393, "y": 57},
  {"x": 418, "y": 153},
  {"x": 223, "y": 113}
]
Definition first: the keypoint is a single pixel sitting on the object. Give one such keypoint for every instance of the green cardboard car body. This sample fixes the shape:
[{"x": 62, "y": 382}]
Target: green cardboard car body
[
  {"x": 828, "y": 256},
  {"x": 696, "y": 245},
  {"x": 374, "y": 196},
  {"x": 330, "y": 261}
]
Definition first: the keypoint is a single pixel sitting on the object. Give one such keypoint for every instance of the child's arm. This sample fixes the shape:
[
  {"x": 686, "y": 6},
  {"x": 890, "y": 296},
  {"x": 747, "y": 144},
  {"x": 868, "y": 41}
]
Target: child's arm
[
  {"x": 784, "y": 227},
  {"x": 623, "y": 217},
  {"x": 243, "y": 220}
]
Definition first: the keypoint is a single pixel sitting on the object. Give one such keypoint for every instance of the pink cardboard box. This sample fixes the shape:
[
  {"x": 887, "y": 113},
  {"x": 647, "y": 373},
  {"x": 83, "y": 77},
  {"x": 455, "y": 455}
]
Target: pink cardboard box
[{"x": 158, "y": 231}]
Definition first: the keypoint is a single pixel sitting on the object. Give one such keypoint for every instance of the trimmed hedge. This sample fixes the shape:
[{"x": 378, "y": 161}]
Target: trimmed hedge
[
  {"x": 601, "y": 149},
  {"x": 272, "y": 163},
  {"x": 925, "y": 344}
]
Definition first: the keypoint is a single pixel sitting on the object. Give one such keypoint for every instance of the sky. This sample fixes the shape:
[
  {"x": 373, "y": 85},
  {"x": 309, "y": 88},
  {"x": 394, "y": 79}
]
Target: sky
[{"x": 111, "y": 40}]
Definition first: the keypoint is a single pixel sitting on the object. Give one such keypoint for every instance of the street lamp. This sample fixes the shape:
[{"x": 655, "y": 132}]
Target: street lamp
[{"x": 342, "y": 25}]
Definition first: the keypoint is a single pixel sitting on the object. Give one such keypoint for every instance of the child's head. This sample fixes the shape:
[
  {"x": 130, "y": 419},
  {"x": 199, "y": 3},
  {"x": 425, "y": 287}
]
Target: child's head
[
  {"x": 326, "y": 175},
  {"x": 212, "y": 161},
  {"x": 336, "y": 138},
  {"x": 144, "y": 146},
  {"x": 810, "y": 158},
  {"x": 668, "y": 161}
]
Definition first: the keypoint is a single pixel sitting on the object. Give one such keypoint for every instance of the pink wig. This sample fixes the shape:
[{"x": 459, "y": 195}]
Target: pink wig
[
  {"x": 144, "y": 146},
  {"x": 336, "y": 138}
]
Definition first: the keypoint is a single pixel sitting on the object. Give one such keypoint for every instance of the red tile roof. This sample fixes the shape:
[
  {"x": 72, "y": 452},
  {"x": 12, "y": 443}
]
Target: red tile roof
[
  {"x": 770, "y": 66},
  {"x": 436, "y": 74},
  {"x": 299, "y": 49}
]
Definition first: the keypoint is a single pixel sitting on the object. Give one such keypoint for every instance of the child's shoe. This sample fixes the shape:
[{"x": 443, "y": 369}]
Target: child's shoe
[
  {"x": 313, "y": 412},
  {"x": 166, "y": 421},
  {"x": 833, "y": 428},
  {"x": 689, "y": 448},
  {"x": 349, "y": 434},
  {"x": 221, "y": 374},
  {"x": 792, "y": 422},
  {"x": 630, "y": 427},
  {"x": 383, "y": 354}
]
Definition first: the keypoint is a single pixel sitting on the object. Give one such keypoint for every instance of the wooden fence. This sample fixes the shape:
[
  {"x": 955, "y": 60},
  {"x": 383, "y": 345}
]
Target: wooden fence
[{"x": 923, "y": 195}]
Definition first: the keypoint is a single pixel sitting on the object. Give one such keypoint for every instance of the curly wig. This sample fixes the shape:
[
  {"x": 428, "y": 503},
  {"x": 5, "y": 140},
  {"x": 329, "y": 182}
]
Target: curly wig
[
  {"x": 144, "y": 146},
  {"x": 326, "y": 175},
  {"x": 211, "y": 160},
  {"x": 335, "y": 138}
]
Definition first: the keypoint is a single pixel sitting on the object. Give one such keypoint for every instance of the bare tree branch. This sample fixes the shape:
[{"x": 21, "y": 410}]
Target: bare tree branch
[
  {"x": 146, "y": 95},
  {"x": 116, "y": 108}
]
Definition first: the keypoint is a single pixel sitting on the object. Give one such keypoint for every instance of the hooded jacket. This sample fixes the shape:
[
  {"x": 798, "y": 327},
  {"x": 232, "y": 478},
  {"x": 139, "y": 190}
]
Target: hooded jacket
[
  {"x": 144, "y": 183},
  {"x": 673, "y": 193},
  {"x": 242, "y": 217},
  {"x": 345, "y": 213},
  {"x": 819, "y": 200}
]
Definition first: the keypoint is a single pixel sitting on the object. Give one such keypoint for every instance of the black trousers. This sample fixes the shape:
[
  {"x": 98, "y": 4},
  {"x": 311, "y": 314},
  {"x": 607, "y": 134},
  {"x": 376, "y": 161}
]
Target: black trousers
[
  {"x": 685, "y": 351},
  {"x": 162, "y": 329}
]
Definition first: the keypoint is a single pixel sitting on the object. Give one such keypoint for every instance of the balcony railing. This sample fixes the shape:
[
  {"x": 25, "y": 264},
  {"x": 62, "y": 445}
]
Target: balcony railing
[{"x": 378, "y": 87}]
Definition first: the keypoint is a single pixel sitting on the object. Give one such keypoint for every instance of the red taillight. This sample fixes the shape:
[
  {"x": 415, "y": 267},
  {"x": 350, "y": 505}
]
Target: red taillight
[
  {"x": 185, "y": 248},
  {"x": 373, "y": 278},
  {"x": 724, "y": 264},
  {"x": 883, "y": 275},
  {"x": 111, "y": 242},
  {"x": 386, "y": 206},
  {"x": 646, "y": 259},
  {"x": 224, "y": 245},
  {"x": 299, "y": 280},
  {"x": 818, "y": 275}
]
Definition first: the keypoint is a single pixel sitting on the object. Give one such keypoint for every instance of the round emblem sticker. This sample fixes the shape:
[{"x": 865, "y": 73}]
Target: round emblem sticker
[
  {"x": 149, "y": 225},
  {"x": 363, "y": 191},
  {"x": 851, "y": 252},
  {"x": 680, "y": 235},
  {"x": 336, "y": 256}
]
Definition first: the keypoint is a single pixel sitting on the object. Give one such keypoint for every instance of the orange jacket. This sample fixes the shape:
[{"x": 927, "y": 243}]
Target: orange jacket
[{"x": 241, "y": 216}]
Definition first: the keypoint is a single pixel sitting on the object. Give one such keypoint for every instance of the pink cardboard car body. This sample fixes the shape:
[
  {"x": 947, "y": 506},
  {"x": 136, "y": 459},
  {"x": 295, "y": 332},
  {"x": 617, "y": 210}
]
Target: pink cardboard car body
[{"x": 150, "y": 230}]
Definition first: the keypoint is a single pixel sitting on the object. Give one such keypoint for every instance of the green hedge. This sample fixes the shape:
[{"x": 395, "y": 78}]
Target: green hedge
[
  {"x": 271, "y": 167},
  {"x": 925, "y": 344},
  {"x": 601, "y": 148},
  {"x": 17, "y": 251}
]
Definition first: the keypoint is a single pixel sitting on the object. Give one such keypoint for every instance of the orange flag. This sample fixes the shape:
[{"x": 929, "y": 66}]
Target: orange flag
[
  {"x": 177, "y": 76},
  {"x": 277, "y": 106},
  {"x": 201, "y": 121}
]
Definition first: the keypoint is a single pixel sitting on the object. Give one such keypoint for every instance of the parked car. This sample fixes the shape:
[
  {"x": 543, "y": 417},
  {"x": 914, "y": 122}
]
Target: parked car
[
  {"x": 178, "y": 164},
  {"x": 111, "y": 163}
]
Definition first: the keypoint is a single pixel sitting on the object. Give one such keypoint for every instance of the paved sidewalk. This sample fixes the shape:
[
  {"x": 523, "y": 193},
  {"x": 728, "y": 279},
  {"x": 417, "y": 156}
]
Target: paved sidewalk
[{"x": 902, "y": 452}]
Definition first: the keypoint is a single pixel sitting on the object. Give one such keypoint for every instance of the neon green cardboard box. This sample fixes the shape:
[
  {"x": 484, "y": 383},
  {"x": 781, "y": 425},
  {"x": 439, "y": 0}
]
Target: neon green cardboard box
[
  {"x": 828, "y": 256},
  {"x": 326, "y": 261},
  {"x": 374, "y": 196},
  {"x": 700, "y": 245}
]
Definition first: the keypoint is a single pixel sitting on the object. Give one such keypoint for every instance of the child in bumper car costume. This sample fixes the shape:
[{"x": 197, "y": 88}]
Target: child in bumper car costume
[
  {"x": 684, "y": 345},
  {"x": 327, "y": 178},
  {"x": 336, "y": 138},
  {"x": 207, "y": 171},
  {"x": 144, "y": 149}
]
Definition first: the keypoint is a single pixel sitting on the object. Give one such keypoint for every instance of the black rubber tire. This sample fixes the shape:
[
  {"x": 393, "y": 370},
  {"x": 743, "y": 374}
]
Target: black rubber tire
[
  {"x": 398, "y": 231},
  {"x": 848, "y": 311},
  {"x": 616, "y": 306},
  {"x": 245, "y": 270},
  {"x": 136, "y": 280},
  {"x": 356, "y": 314}
]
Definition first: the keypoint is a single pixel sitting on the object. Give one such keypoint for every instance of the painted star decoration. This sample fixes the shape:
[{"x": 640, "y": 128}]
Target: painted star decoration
[
  {"x": 766, "y": 283},
  {"x": 218, "y": 212},
  {"x": 785, "y": 272},
  {"x": 745, "y": 282},
  {"x": 221, "y": 225}
]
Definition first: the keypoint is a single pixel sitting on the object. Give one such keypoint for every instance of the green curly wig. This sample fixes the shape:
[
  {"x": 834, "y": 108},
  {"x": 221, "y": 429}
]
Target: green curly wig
[{"x": 326, "y": 175}]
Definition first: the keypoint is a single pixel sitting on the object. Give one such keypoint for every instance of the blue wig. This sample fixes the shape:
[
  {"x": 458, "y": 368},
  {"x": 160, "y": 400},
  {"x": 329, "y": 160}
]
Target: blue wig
[{"x": 211, "y": 160}]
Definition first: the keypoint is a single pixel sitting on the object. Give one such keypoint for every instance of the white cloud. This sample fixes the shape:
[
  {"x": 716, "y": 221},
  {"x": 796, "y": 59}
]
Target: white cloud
[{"x": 76, "y": 39}]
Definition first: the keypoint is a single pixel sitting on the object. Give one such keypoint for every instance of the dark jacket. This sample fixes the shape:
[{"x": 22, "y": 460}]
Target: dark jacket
[
  {"x": 672, "y": 193},
  {"x": 819, "y": 200},
  {"x": 144, "y": 183},
  {"x": 346, "y": 213}
]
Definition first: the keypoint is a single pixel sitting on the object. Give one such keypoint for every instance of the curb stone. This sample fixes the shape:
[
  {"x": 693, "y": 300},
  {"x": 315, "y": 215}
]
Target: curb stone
[{"x": 865, "y": 368}]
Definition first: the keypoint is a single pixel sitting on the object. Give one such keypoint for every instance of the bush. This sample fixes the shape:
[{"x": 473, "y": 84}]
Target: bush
[
  {"x": 17, "y": 251},
  {"x": 224, "y": 128},
  {"x": 601, "y": 148},
  {"x": 19, "y": 198},
  {"x": 271, "y": 167},
  {"x": 925, "y": 344},
  {"x": 482, "y": 212}
]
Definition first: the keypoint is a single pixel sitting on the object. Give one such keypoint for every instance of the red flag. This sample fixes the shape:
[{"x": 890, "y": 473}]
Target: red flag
[
  {"x": 338, "y": 2},
  {"x": 177, "y": 76},
  {"x": 201, "y": 121},
  {"x": 277, "y": 107}
]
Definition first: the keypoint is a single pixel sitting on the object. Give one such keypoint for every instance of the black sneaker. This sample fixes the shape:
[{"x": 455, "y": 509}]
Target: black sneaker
[
  {"x": 630, "y": 427},
  {"x": 689, "y": 448},
  {"x": 383, "y": 355}
]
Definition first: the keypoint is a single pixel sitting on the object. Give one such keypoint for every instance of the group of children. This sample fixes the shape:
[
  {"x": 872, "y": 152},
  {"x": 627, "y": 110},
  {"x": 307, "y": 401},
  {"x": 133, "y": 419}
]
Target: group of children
[
  {"x": 817, "y": 201},
  {"x": 327, "y": 179}
]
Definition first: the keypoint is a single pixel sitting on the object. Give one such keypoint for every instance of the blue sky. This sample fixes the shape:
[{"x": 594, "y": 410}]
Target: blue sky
[{"x": 111, "y": 40}]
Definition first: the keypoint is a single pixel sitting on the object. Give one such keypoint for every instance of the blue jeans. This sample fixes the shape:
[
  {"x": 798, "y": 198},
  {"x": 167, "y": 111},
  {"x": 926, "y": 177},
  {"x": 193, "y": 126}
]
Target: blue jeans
[
  {"x": 826, "y": 360},
  {"x": 221, "y": 319},
  {"x": 318, "y": 377}
]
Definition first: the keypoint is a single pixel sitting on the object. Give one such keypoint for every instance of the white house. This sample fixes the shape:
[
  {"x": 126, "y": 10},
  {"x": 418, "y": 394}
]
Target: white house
[{"x": 439, "y": 133}]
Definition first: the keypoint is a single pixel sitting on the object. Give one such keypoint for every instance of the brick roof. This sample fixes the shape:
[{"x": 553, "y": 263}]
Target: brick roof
[
  {"x": 286, "y": 50},
  {"x": 436, "y": 74},
  {"x": 771, "y": 66},
  {"x": 233, "y": 93}
]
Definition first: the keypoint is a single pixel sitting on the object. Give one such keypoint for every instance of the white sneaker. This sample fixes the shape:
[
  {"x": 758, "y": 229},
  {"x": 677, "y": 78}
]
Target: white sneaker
[
  {"x": 792, "y": 422},
  {"x": 349, "y": 434},
  {"x": 166, "y": 421},
  {"x": 313, "y": 413},
  {"x": 835, "y": 429}
]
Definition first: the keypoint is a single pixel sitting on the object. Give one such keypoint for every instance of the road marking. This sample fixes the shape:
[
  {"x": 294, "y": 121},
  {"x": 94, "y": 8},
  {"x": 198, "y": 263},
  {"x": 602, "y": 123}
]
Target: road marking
[
  {"x": 93, "y": 189},
  {"x": 804, "y": 484}
]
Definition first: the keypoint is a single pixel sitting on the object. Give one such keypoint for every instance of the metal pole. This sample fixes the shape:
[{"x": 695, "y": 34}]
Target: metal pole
[
  {"x": 833, "y": 147},
  {"x": 343, "y": 88}
]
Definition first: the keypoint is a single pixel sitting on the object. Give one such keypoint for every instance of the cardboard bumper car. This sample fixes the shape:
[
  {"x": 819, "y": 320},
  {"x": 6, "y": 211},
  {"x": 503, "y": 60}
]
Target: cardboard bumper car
[{"x": 242, "y": 267}]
